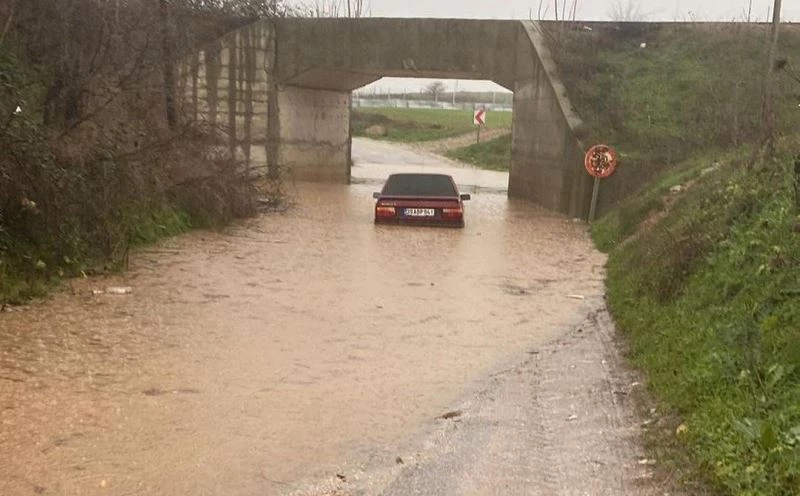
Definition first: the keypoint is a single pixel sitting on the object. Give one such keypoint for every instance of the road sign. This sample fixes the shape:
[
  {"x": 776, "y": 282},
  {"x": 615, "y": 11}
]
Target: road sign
[
  {"x": 600, "y": 161},
  {"x": 479, "y": 119}
]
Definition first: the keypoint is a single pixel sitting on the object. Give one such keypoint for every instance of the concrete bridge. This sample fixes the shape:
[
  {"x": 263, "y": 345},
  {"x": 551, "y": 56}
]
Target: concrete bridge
[{"x": 285, "y": 84}]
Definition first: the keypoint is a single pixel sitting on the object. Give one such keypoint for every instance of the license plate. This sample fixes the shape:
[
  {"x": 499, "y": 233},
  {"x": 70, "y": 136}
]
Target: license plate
[{"x": 419, "y": 212}]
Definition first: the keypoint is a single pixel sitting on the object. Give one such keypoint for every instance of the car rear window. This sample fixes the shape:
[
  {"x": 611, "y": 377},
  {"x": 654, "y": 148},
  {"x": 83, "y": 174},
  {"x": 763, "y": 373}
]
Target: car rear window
[{"x": 419, "y": 185}]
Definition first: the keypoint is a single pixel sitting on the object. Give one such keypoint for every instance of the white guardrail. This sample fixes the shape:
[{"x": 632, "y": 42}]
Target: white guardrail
[{"x": 401, "y": 103}]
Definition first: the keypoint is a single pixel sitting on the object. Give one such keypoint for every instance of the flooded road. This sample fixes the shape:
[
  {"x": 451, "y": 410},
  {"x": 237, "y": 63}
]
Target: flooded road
[{"x": 291, "y": 347}]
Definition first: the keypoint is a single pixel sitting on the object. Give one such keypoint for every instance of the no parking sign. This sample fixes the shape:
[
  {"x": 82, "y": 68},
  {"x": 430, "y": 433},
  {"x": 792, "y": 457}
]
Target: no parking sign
[{"x": 600, "y": 162}]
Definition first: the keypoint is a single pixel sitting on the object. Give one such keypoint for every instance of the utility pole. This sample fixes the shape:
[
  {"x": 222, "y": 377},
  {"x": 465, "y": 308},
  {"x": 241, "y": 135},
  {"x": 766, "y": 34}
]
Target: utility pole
[{"x": 768, "y": 104}]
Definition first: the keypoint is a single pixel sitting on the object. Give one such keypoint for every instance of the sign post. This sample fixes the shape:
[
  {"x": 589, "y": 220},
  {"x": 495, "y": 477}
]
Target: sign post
[
  {"x": 595, "y": 195},
  {"x": 479, "y": 119},
  {"x": 600, "y": 162}
]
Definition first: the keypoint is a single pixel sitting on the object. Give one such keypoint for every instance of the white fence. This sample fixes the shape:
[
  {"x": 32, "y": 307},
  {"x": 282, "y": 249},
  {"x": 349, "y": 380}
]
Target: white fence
[{"x": 402, "y": 103}]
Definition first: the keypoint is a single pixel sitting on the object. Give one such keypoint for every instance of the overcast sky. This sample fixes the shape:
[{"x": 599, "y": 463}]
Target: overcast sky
[
  {"x": 654, "y": 10},
  {"x": 600, "y": 10}
]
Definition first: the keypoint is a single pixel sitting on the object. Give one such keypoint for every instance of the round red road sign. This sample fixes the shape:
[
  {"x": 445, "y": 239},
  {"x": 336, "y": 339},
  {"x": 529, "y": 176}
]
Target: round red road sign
[{"x": 601, "y": 161}]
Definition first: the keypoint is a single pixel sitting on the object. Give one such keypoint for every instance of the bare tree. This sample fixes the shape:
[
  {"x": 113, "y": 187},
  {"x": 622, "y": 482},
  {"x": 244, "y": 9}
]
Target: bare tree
[
  {"x": 335, "y": 8},
  {"x": 168, "y": 63},
  {"x": 323, "y": 8},
  {"x": 626, "y": 11},
  {"x": 435, "y": 89},
  {"x": 244, "y": 8},
  {"x": 355, "y": 8}
]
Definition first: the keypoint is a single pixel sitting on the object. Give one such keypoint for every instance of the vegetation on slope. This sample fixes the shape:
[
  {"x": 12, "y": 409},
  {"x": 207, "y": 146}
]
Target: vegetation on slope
[
  {"x": 692, "y": 89},
  {"x": 704, "y": 261},
  {"x": 494, "y": 154},
  {"x": 408, "y": 125},
  {"x": 709, "y": 296}
]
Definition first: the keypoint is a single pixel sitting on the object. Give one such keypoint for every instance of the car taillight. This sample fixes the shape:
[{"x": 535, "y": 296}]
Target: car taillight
[
  {"x": 384, "y": 211},
  {"x": 452, "y": 213}
]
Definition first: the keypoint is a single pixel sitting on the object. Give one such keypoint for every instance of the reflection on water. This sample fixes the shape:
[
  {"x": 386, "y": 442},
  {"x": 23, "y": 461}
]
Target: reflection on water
[{"x": 279, "y": 350}]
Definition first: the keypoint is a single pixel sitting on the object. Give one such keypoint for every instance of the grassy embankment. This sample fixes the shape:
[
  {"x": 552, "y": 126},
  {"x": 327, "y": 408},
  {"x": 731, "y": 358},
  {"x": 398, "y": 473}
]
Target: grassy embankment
[
  {"x": 704, "y": 282},
  {"x": 493, "y": 154},
  {"x": 416, "y": 125}
]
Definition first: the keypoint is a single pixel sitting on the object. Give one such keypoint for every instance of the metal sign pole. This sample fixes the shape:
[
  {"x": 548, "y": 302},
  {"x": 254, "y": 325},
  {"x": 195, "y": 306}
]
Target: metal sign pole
[{"x": 595, "y": 194}]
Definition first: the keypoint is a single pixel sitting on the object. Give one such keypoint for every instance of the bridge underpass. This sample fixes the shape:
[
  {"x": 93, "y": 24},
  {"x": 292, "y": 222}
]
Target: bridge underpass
[{"x": 285, "y": 86}]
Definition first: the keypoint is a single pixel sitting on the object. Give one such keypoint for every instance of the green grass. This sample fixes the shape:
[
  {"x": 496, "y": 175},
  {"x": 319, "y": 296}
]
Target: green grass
[
  {"x": 694, "y": 88},
  {"x": 28, "y": 270},
  {"x": 708, "y": 294},
  {"x": 625, "y": 220},
  {"x": 709, "y": 300},
  {"x": 493, "y": 154},
  {"x": 408, "y": 125}
]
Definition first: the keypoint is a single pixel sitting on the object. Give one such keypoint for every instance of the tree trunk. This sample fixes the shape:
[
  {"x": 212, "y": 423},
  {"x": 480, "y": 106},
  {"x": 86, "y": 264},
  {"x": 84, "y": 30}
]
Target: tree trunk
[{"x": 169, "y": 65}]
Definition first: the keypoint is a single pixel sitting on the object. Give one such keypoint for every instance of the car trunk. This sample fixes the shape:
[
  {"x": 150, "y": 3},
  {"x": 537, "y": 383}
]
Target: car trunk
[{"x": 426, "y": 209}]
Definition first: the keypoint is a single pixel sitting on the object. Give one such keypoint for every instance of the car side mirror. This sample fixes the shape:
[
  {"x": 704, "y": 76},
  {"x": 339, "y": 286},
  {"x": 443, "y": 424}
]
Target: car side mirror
[
  {"x": 376, "y": 195},
  {"x": 465, "y": 196}
]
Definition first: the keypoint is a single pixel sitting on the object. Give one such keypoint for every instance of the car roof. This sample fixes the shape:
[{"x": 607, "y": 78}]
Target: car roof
[
  {"x": 420, "y": 184},
  {"x": 419, "y": 174}
]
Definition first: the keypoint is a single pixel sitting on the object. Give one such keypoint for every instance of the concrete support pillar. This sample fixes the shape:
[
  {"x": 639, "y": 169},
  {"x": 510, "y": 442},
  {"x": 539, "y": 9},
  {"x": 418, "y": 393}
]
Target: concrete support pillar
[{"x": 314, "y": 130}]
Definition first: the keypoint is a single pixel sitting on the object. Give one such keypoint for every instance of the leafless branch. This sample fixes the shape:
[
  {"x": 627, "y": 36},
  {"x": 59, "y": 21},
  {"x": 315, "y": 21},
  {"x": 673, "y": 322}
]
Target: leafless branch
[
  {"x": 8, "y": 21},
  {"x": 626, "y": 11}
]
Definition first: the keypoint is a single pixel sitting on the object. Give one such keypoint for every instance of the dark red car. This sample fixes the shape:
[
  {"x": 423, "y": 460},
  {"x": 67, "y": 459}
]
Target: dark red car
[{"x": 420, "y": 199}]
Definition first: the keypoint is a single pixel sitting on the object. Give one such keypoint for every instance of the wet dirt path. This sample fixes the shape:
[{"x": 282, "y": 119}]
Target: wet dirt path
[{"x": 286, "y": 349}]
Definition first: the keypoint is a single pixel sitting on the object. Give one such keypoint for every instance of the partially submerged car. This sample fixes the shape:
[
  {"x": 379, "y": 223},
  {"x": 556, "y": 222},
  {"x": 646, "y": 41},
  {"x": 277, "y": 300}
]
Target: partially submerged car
[{"x": 420, "y": 199}]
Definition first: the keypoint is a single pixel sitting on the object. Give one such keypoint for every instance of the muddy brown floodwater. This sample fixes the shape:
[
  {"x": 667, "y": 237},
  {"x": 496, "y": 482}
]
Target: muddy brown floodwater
[{"x": 289, "y": 347}]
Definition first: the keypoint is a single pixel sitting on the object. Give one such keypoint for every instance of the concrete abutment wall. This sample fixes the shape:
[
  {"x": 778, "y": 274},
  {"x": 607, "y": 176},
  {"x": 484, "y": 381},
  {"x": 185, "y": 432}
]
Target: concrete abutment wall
[{"x": 547, "y": 154}]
